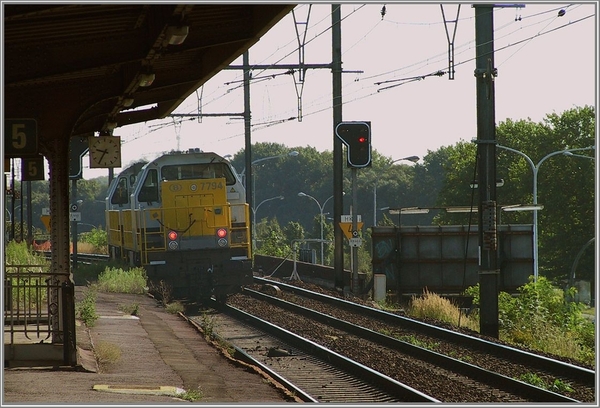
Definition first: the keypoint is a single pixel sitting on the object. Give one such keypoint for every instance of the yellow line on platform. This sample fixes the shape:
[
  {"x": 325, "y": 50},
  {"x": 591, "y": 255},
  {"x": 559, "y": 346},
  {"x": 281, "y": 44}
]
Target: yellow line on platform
[{"x": 140, "y": 389}]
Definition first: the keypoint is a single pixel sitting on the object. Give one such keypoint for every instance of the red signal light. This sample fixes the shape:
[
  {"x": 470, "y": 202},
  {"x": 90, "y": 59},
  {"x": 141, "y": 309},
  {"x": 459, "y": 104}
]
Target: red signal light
[
  {"x": 172, "y": 235},
  {"x": 362, "y": 139},
  {"x": 221, "y": 233}
]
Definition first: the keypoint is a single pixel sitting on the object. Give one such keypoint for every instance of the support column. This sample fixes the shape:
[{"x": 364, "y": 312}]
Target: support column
[{"x": 485, "y": 73}]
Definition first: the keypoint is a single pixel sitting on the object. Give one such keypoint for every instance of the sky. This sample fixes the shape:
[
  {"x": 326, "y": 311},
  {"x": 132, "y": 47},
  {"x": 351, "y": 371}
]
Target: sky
[{"x": 546, "y": 63}]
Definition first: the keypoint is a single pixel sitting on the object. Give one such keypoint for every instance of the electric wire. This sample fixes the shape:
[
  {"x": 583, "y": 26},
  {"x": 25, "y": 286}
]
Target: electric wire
[{"x": 263, "y": 125}]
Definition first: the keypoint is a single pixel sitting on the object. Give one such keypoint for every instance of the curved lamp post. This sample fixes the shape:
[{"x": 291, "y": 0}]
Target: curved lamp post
[
  {"x": 254, "y": 210},
  {"x": 252, "y": 198},
  {"x": 321, "y": 207},
  {"x": 535, "y": 168},
  {"x": 293, "y": 153},
  {"x": 413, "y": 159}
]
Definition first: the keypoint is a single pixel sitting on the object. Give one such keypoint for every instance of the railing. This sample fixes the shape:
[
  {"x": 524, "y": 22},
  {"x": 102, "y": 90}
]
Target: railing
[{"x": 39, "y": 306}]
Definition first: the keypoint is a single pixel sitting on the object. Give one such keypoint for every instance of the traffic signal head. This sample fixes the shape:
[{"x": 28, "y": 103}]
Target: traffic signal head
[{"x": 357, "y": 138}]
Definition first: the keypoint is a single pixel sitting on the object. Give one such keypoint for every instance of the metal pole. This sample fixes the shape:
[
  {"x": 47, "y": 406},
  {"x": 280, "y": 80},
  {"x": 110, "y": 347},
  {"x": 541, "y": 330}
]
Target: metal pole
[
  {"x": 322, "y": 219},
  {"x": 354, "y": 250},
  {"x": 248, "y": 140},
  {"x": 29, "y": 216},
  {"x": 486, "y": 151},
  {"x": 74, "y": 223},
  {"x": 375, "y": 204},
  {"x": 21, "y": 210},
  {"x": 535, "y": 169},
  {"x": 12, "y": 201},
  {"x": 321, "y": 208},
  {"x": 338, "y": 186}
]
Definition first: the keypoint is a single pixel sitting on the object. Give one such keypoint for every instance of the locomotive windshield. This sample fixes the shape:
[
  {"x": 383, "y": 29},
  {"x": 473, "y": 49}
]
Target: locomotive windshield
[{"x": 197, "y": 171}]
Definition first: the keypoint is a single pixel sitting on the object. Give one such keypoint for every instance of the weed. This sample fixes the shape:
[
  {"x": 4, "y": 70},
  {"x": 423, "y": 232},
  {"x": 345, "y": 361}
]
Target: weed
[
  {"x": 162, "y": 290},
  {"x": 107, "y": 353},
  {"x": 208, "y": 324},
  {"x": 86, "y": 308},
  {"x": 131, "y": 309},
  {"x": 419, "y": 343},
  {"x": 175, "y": 307},
  {"x": 192, "y": 395},
  {"x": 225, "y": 346},
  {"x": 533, "y": 379},
  {"x": 560, "y": 386},
  {"x": 122, "y": 281}
]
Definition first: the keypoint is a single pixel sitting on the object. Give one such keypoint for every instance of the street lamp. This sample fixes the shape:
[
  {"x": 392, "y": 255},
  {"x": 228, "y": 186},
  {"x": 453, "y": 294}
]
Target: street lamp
[
  {"x": 535, "y": 168},
  {"x": 413, "y": 159},
  {"x": 252, "y": 199},
  {"x": 254, "y": 210},
  {"x": 293, "y": 153},
  {"x": 321, "y": 207}
]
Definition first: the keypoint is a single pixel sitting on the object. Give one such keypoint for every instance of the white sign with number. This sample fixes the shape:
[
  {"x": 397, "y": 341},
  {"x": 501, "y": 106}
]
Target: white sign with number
[
  {"x": 75, "y": 216},
  {"x": 355, "y": 242},
  {"x": 348, "y": 218}
]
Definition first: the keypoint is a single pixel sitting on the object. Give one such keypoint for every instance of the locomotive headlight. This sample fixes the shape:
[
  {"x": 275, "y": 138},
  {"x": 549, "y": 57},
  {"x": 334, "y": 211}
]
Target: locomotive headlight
[
  {"x": 222, "y": 234},
  {"x": 173, "y": 244}
]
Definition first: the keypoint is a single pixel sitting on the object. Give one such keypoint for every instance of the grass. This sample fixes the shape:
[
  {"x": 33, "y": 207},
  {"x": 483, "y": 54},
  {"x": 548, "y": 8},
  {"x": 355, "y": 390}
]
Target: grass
[
  {"x": 107, "y": 353},
  {"x": 539, "y": 318},
  {"x": 175, "y": 307},
  {"x": 191, "y": 395},
  {"x": 86, "y": 308},
  {"x": 132, "y": 309},
  {"x": 118, "y": 280},
  {"x": 431, "y": 305}
]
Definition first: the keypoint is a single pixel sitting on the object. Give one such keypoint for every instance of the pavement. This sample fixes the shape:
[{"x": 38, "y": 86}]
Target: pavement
[{"x": 154, "y": 357}]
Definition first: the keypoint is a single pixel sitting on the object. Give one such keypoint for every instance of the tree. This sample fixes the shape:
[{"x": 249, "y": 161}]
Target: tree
[{"x": 565, "y": 185}]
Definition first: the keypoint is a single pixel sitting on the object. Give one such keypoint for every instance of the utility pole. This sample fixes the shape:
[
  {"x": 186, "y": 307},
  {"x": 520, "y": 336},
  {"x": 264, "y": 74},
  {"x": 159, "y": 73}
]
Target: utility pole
[
  {"x": 338, "y": 187},
  {"x": 485, "y": 72},
  {"x": 247, "y": 134}
]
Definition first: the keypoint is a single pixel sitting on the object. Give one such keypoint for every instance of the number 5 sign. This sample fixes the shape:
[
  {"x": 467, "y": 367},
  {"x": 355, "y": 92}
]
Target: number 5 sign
[
  {"x": 32, "y": 168},
  {"x": 20, "y": 137}
]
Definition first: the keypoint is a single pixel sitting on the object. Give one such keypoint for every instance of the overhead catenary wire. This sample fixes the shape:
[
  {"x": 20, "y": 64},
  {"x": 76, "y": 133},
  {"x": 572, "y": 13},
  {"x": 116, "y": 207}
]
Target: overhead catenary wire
[{"x": 360, "y": 94}]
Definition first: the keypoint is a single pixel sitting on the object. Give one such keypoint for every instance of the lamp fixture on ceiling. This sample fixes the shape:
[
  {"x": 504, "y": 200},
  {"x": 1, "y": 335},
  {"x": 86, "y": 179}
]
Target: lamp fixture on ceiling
[
  {"x": 146, "y": 79},
  {"x": 127, "y": 101},
  {"x": 176, "y": 35},
  {"x": 111, "y": 124}
]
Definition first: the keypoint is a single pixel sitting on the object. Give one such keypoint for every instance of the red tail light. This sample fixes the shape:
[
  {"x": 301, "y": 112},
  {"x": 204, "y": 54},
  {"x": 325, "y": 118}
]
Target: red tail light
[
  {"x": 221, "y": 233},
  {"x": 172, "y": 235}
]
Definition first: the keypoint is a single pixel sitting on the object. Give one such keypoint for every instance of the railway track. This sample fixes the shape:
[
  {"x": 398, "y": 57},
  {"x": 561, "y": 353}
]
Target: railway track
[
  {"x": 440, "y": 377},
  {"x": 488, "y": 354},
  {"x": 310, "y": 371}
]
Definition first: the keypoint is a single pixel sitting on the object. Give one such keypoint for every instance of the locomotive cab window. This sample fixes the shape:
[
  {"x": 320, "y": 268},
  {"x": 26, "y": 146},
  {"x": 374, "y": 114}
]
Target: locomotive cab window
[
  {"x": 198, "y": 171},
  {"x": 149, "y": 191},
  {"x": 121, "y": 194}
]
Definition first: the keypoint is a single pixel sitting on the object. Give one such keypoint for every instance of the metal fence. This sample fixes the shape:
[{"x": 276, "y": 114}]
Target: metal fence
[{"x": 39, "y": 307}]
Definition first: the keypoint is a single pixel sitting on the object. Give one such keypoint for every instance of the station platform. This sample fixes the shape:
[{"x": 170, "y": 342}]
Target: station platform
[{"x": 154, "y": 357}]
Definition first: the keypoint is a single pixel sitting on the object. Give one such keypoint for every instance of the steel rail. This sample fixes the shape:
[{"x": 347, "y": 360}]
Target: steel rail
[
  {"x": 555, "y": 367},
  {"x": 469, "y": 370},
  {"x": 393, "y": 387}
]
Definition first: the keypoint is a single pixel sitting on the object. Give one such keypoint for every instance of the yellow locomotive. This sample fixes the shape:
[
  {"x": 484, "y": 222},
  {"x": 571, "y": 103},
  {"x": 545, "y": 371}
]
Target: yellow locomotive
[{"x": 183, "y": 217}]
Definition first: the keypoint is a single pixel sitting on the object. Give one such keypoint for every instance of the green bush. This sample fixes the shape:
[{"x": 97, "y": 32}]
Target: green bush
[
  {"x": 97, "y": 237},
  {"x": 541, "y": 317},
  {"x": 86, "y": 308},
  {"x": 122, "y": 281},
  {"x": 17, "y": 253}
]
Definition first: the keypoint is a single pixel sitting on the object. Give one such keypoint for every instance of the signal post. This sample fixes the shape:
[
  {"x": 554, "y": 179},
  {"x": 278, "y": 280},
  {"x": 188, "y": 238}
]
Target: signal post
[{"x": 357, "y": 138}]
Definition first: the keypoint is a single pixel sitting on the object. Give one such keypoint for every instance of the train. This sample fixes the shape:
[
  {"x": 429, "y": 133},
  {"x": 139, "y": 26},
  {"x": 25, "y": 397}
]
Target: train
[{"x": 183, "y": 217}]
